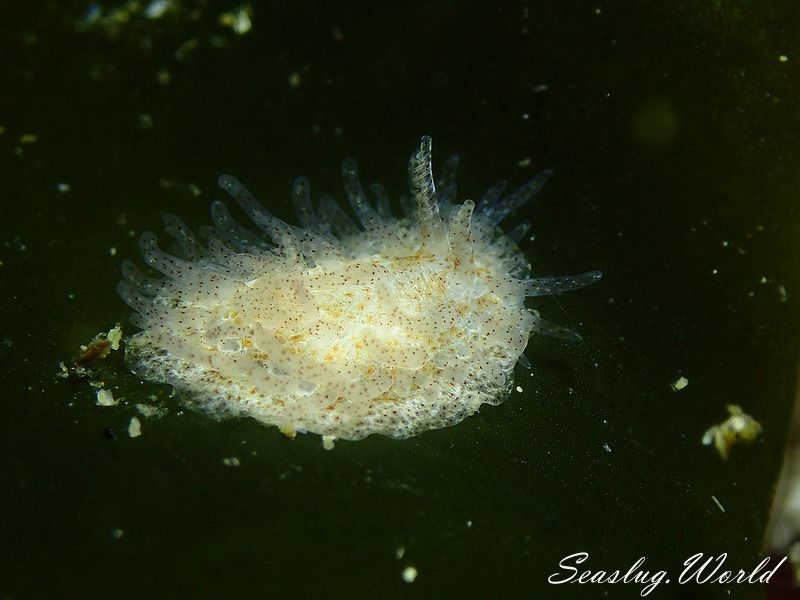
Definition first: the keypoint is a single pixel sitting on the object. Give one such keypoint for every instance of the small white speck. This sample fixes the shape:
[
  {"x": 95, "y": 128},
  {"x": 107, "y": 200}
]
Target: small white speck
[
  {"x": 63, "y": 187},
  {"x": 112, "y": 251},
  {"x": 519, "y": 388},
  {"x": 783, "y": 58},
  {"x": 231, "y": 461},
  {"x": 468, "y": 524},
  {"x": 717, "y": 502},
  {"x": 409, "y": 574},
  {"x": 117, "y": 533},
  {"x": 295, "y": 79},
  {"x": 145, "y": 121},
  {"x": 715, "y": 271},
  {"x": 400, "y": 552},
  {"x": 606, "y": 447},
  {"x": 135, "y": 427},
  {"x": 679, "y": 384},
  {"x": 328, "y": 441}
]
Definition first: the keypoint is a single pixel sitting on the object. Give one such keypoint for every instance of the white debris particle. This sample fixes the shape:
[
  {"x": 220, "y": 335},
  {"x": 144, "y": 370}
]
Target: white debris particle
[
  {"x": 782, "y": 293},
  {"x": 186, "y": 48},
  {"x": 783, "y": 58},
  {"x": 400, "y": 552},
  {"x": 524, "y": 162},
  {"x": 238, "y": 20},
  {"x": 678, "y": 385},
  {"x": 148, "y": 410},
  {"x": 328, "y": 441},
  {"x": 28, "y": 138},
  {"x": 717, "y": 502},
  {"x": 105, "y": 398},
  {"x": 606, "y": 447},
  {"x": 112, "y": 251},
  {"x": 231, "y": 461},
  {"x": 156, "y": 9},
  {"x": 135, "y": 427},
  {"x": 409, "y": 574},
  {"x": 243, "y": 23},
  {"x": 63, "y": 187},
  {"x": 117, "y": 533},
  {"x": 468, "y": 524},
  {"x": 114, "y": 336},
  {"x": 519, "y": 389},
  {"x": 145, "y": 121},
  {"x": 737, "y": 428}
]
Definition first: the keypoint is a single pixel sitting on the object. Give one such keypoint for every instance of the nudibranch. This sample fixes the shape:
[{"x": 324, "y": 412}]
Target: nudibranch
[{"x": 404, "y": 319}]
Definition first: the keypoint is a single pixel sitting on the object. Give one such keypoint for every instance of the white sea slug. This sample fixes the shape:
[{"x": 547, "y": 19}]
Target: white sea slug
[{"x": 385, "y": 324}]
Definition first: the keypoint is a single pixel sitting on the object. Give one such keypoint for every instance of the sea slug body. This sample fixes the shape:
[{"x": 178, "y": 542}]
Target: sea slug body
[{"x": 389, "y": 324}]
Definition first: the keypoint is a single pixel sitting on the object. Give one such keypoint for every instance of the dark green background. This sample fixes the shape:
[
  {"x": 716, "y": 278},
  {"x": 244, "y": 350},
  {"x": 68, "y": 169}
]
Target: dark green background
[{"x": 653, "y": 210}]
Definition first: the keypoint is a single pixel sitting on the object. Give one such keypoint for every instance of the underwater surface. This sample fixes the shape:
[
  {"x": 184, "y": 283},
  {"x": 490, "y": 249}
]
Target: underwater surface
[{"x": 672, "y": 130}]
